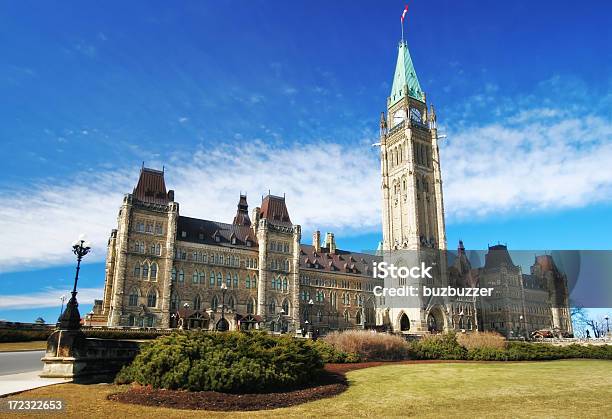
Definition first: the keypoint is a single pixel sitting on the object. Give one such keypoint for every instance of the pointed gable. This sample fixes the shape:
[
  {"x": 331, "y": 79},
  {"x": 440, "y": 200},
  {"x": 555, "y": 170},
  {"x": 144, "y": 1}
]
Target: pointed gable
[
  {"x": 274, "y": 209},
  {"x": 242, "y": 214},
  {"x": 405, "y": 75}
]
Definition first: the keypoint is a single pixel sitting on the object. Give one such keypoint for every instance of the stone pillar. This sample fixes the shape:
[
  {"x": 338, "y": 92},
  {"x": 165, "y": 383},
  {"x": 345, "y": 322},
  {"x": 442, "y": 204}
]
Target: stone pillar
[
  {"x": 123, "y": 232},
  {"x": 295, "y": 279},
  {"x": 262, "y": 239},
  {"x": 166, "y": 277}
]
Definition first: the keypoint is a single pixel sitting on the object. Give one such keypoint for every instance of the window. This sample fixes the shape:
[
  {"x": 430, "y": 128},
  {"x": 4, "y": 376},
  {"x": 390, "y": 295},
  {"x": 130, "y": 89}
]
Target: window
[
  {"x": 286, "y": 306},
  {"x": 285, "y": 283},
  {"x": 333, "y": 298},
  {"x": 272, "y": 306},
  {"x": 346, "y": 316},
  {"x": 154, "y": 271},
  {"x": 152, "y": 298},
  {"x": 247, "y": 282},
  {"x": 140, "y": 227},
  {"x": 215, "y": 303},
  {"x": 183, "y": 234},
  {"x": 131, "y": 320},
  {"x": 250, "y": 306},
  {"x": 197, "y": 303},
  {"x": 231, "y": 303},
  {"x": 181, "y": 276},
  {"x": 133, "y": 299},
  {"x": 319, "y": 316},
  {"x": 145, "y": 270},
  {"x": 254, "y": 283},
  {"x": 219, "y": 279},
  {"x": 150, "y": 321},
  {"x": 152, "y": 249},
  {"x": 149, "y": 228},
  {"x": 212, "y": 278},
  {"x": 195, "y": 278},
  {"x": 174, "y": 302},
  {"x": 158, "y": 229},
  {"x": 228, "y": 280},
  {"x": 202, "y": 277},
  {"x": 235, "y": 280},
  {"x": 173, "y": 275},
  {"x": 358, "y": 317},
  {"x": 137, "y": 271}
]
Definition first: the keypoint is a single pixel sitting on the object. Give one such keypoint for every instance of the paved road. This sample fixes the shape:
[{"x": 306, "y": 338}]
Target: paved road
[{"x": 16, "y": 362}]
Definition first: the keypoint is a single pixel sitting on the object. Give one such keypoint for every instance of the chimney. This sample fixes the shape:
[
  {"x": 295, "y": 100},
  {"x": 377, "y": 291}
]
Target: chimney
[
  {"x": 316, "y": 241},
  {"x": 330, "y": 242}
]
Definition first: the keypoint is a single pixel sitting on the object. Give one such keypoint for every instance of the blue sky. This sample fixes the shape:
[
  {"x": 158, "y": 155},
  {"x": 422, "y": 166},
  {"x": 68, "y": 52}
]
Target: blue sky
[{"x": 251, "y": 96}]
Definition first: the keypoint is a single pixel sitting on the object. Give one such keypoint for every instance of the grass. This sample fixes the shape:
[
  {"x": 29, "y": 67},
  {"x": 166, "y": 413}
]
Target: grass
[
  {"x": 568, "y": 388},
  {"x": 23, "y": 346}
]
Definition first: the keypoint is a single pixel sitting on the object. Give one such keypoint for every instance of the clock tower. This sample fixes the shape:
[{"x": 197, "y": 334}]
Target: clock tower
[{"x": 412, "y": 207}]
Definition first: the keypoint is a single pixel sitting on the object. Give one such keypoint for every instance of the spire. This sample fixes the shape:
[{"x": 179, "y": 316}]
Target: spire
[
  {"x": 405, "y": 79},
  {"x": 242, "y": 215}
]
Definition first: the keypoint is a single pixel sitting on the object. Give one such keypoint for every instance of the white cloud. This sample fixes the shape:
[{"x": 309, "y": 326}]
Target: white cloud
[{"x": 47, "y": 298}]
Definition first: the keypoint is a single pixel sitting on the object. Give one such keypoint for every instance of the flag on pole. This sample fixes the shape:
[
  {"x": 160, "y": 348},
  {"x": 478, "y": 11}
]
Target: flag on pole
[{"x": 404, "y": 13}]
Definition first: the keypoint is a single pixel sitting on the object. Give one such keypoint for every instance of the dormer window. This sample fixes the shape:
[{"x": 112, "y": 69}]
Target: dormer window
[
  {"x": 233, "y": 240},
  {"x": 217, "y": 238},
  {"x": 183, "y": 234},
  {"x": 249, "y": 243}
]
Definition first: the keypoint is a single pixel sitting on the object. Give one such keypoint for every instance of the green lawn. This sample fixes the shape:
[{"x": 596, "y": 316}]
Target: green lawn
[{"x": 573, "y": 388}]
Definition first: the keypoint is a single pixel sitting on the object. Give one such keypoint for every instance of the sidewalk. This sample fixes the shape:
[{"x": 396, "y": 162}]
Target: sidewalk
[{"x": 15, "y": 383}]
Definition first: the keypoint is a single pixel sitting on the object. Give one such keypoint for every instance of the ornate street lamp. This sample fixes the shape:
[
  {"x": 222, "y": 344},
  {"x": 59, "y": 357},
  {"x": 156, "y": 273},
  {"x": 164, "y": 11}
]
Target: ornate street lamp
[
  {"x": 71, "y": 318},
  {"x": 222, "y": 325},
  {"x": 521, "y": 325},
  {"x": 607, "y": 323},
  {"x": 310, "y": 305},
  {"x": 62, "y": 299}
]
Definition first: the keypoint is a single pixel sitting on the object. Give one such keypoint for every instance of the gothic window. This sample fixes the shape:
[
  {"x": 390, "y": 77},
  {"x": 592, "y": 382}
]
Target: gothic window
[
  {"x": 247, "y": 282},
  {"x": 149, "y": 228},
  {"x": 333, "y": 300},
  {"x": 235, "y": 280},
  {"x": 174, "y": 302},
  {"x": 219, "y": 279},
  {"x": 228, "y": 280},
  {"x": 286, "y": 306},
  {"x": 152, "y": 298},
  {"x": 272, "y": 306},
  {"x": 254, "y": 283},
  {"x": 285, "y": 283},
  {"x": 202, "y": 277},
  {"x": 145, "y": 270},
  {"x": 158, "y": 249},
  {"x": 137, "y": 270},
  {"x": 215, "y": 302},
  {"x": 195, "y": 277},
  {"x": 152, "y": 249},
  {"x": 158, "y": 229},
  {"x": 133, "y": 298},
  {"x": 250, "y": 306},
  {"x": 197, "y": 303},
  {"x": 346, "y": 316},
  {"x": 141, "y": 247},
  {"x": 231, "y": 302},
  {"x": 212, "y": 278},
  {"x": 154, "y": 271}
]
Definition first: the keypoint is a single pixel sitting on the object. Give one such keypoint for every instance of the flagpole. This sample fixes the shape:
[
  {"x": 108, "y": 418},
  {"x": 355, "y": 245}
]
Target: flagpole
[{"x": 402, "y": 23}]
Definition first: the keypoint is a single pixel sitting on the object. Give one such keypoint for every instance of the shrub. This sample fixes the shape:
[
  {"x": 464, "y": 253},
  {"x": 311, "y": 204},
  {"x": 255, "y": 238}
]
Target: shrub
[
  {"x": 124, "y": 334},
  {"x": 481, "y": 340},
  {"x": 369, "y": 346},
  {"x": 227, "y": 362},
  {"x": 329, "y": 354},
  {"x": 442, "y": 346},
  {"x": 12, "y": 335}
]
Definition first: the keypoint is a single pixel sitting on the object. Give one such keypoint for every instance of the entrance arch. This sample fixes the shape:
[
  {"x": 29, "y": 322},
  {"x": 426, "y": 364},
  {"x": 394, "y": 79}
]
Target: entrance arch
[
  {"x": 404, "y": 323},
  {"x": 435, "y": 320}
]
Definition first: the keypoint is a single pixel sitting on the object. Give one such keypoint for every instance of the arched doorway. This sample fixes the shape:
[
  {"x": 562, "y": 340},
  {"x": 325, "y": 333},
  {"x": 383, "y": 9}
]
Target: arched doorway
[
  {"x": 404, "y": 323},
  {"x": 435, "y": 320},
  {"x": 222, "y": 325}
]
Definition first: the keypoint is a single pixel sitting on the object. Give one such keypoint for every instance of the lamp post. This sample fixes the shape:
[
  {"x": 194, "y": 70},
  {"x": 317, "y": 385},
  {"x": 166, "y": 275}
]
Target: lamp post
[
  {"x": 521, "y": 325},
  {"x": 71, "y": 318},
  {"x": 461, "y": 321},
  {"x": 62, "y": 299},
  {"x": 222, "y": 326},
  {"x": 607, "y": 323},
  {"x": 282, "y": 320},
  {"x": 310, "y": 305}
]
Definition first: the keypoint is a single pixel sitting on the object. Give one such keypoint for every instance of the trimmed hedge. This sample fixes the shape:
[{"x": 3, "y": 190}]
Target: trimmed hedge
[
  {"x": 12, "y": 335},
  {"x": 227, "y": 362}
]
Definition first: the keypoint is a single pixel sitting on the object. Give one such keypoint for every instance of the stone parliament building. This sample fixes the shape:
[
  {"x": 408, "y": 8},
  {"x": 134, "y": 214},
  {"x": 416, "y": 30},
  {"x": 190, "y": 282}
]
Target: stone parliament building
[{"x": 167, "y": 270}]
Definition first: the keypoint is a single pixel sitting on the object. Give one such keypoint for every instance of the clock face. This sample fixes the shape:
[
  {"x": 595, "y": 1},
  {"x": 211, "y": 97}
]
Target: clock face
[
  {"x": 415, "y": 115},
  {"x": 398, "y": 117}
]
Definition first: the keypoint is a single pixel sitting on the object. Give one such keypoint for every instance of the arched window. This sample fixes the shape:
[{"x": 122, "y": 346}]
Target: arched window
[
  {"x": 346, "y": 316},
  {"x": 195, "y": 278},
  {"x": 235, "y": 280},
  {"x": 145, "y": 270},
  {"x": 319, "y": 316},
  {"x": 285, "y": 283},
  {"x": 358, "y": 317},
  {"x": 285, "y": 306},
  {"x": 250, "y": 306},
  {"x": 215, "y": 303},
  {"x": 254, "y": 282},
  {"x": 154, "y": 271},
  {"x": 133, "y": 298},
  {"x": 273, "y": 283},
  {"x": 228, "y": 280},
  {"x": 181, "y": 276},
  {"x": 231, "y": 303},
  {"x": 152, "y": 298},
  {"x": 212, "y": 278},
  {"x": 202, "y": 277},
  {"x": 333, "y": 299},
  {"x": 197, "y": 303},
  {"x": 247, "y": 282},
  {"x": 272, "y": 306},
  {"x": 219, "y": 279},
  {"x": 173, "y": 275},
  {"x": 158, "y": 249},
  {"x": 174, "y": 302},
  {"x": 137, "y": 270}
]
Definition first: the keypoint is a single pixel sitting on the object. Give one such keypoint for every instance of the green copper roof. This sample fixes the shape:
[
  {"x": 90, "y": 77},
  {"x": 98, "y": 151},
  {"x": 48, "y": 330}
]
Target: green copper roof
[{"x": 405, "y": 76}]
